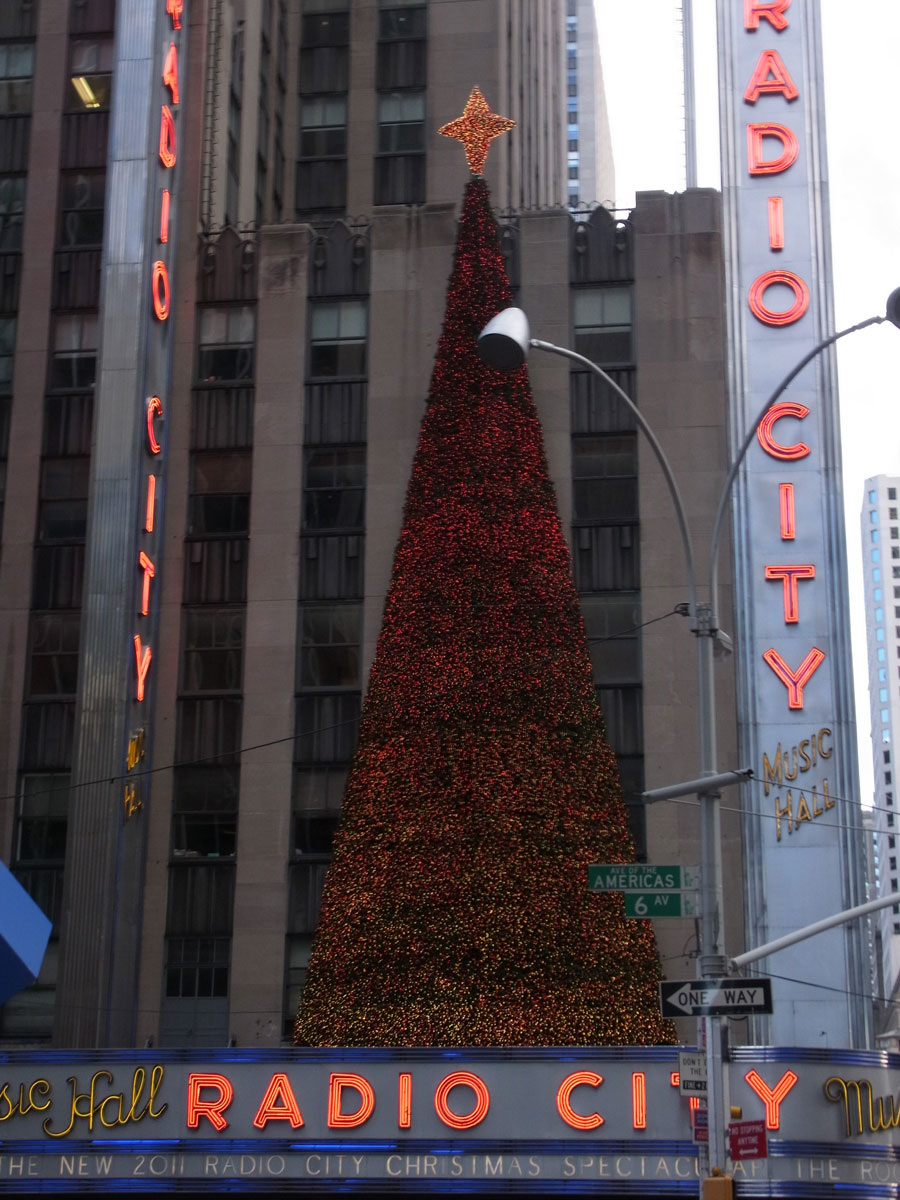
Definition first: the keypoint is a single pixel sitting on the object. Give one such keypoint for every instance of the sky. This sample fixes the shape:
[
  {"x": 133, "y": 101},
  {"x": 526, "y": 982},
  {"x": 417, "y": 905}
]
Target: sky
[{"x": 640, "y": 48}]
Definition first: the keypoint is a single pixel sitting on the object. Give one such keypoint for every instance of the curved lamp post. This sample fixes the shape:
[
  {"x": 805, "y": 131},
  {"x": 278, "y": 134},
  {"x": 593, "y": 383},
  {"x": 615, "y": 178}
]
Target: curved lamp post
[{"x": 504, "y": 344}]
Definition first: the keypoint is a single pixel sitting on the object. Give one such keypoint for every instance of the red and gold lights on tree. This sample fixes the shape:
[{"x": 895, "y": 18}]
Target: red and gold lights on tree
[{"x": 456, "y": 911}]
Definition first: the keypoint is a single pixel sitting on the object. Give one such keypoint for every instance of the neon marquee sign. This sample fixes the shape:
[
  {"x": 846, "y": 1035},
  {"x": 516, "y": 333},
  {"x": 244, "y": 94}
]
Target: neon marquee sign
[{"x": 153, "y": 457}]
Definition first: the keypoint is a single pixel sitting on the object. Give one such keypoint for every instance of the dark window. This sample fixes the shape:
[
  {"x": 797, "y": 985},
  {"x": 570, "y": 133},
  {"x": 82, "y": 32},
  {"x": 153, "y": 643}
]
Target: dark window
[
  {"x": 62, "y": 514},
  {"x": 43, "y": 812},
  {"x": 329, "y": 646},
  {"x": 81, "y": 208},
  {"x": 201, "y": 899},
  {"x": 326, "y": 28},
  {"x": 7, "y": 352},
  {"x": 58, "y": 576},
  {"x": 53, "y": 667},
  {"x": 225, "y": 342},
  {"x": 90, "y": 79},
  {"x": 323, "y": 127},
  {"x": 74, "y": 361},
  {"x": 396, "y": 24},
  {"x": 338, "y": 339},
  {"x": 400, "y": 179},
  {"x": 334, "y": 489},
  {"x": 219, "y": 502},
  {"x": 401, "y": 122},
  {"x": 604, "y": 473},
  {"x": 16, "y": 71},
  {"x": 204, "y": 811},
  {"x": 327, "y": 728},
  {"x": 213, "y": 645},
  {"x": 603, "y": 324},
  {"x": 12, "y": 208},
  {"x": 298, "y": 948},
  {"x": 331, "y": 567},
  {"x": 197, "y": 966},
  {"x": 319, "y": 787},
  {"x": 611, "y": 623},
  {"x": 208, "y": 731}
]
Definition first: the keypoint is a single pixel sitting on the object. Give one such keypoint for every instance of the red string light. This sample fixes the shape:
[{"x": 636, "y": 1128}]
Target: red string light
[{"x": 456, "y": 910}]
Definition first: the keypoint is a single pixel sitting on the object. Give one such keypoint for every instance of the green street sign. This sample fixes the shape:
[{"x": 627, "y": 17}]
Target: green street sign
[
  {"x": 660, "y": 904},
  {"x": 641, "y": 877}
]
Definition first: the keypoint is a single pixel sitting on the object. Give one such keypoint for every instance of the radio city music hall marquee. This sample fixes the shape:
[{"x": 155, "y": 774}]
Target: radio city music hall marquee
[{"x": 425, "y": 1118}]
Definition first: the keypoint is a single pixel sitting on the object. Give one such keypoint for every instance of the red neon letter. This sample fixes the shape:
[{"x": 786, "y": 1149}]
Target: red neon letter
[
  {"x": 790, "y": 148},
  {"x": 592, "y": 1120},
  {"x": 149, "y": 572},
  {"x": 461, "y": 1079},
  {"x": 772, "y": 10},
  {"x": 789, "y": 576},
  {"x": 795, "y": 681},
  {"x": 160, "y": 295},
  {"x": 213, "y": 1109},
  {"x": 772, "y": 1097},
  {"x": 336, "y": 1084},
  {"x": 151, "y": 503},
  {"x": 278, "y": 1104},
  {"x": 639, "y": 1100},
  {"x": 786, "y": 506},
  {"x": 776, "y": 223},
  {"x": 170, "y": 71},
  {"x": 767, "y": 315},
  {"x": 142, "y": 662},
  {"x": 175, "y": 8},
  {"x": 164, "y": 215},
  {"x": 404, "y": 1100},
  {"x": 770, "y": 75},
  {"x": 154, "y": 409},
  {"x": 167, "y": 152},
  {"x": 785, "y": 408}
]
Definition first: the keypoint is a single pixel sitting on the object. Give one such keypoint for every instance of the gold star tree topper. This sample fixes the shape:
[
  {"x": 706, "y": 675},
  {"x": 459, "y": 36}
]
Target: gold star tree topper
[{"x": 476, "y": 129}]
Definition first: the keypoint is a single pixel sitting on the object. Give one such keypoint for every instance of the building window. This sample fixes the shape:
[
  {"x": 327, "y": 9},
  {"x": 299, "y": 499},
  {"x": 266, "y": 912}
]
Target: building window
[
  {"x": 604, "y": 473},
  {"x": 892, "y": 494},
  {"x": 62, "y": 499},
  {"x": 204, "y": 812},
  {"x": 90, "y": 79},
  {"x": 82, "y": 198},
  {"x": 603, "y": 324},
  {"x": 322, "y": 168},
  {"x": 400, "y": 164},
  {"x": 213, "y": 646},
  {"x": 16, "y": 71},
  {"x": 323, "y": 127},
  {"x": 329, "y": 646},
  {"x": 197, "y": 966},
  {"x": 338, "y": 339},
  {"x": 219, "y": 501},
  {"x": 7, "y": 351},
  {"x": 12, "y": 209},
  {"x": 74, "y": 360},
  {"x": 225, "y": 344},
  {"x": 334, "y": 488}
]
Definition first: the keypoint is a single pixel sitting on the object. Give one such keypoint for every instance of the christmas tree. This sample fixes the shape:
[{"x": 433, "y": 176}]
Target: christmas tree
[{"x": 456, "y": 909}]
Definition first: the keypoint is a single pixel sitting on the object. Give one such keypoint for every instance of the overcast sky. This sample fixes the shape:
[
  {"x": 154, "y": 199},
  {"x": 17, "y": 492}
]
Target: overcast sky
[{"x": 640, "y": 46}]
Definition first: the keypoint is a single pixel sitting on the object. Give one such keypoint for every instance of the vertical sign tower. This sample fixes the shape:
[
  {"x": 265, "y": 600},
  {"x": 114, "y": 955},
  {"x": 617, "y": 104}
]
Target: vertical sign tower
[
  {"x": 110, "y": 777},
  {"x": 803, "y": 835}
]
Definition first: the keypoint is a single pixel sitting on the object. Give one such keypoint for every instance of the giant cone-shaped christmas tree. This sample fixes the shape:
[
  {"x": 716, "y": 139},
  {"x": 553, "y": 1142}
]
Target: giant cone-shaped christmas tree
[{"x": 456, "y": 910}]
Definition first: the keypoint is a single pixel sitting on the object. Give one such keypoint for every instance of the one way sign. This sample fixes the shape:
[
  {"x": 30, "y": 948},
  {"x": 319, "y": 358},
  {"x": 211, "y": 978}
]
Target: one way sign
[{"x": 715, "y": 997}]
